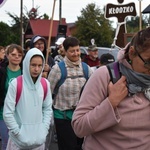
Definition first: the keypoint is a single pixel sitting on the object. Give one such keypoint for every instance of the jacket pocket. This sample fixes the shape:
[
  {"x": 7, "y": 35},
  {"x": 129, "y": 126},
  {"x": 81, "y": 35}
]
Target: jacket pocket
[{"x": 32, "y": 135}]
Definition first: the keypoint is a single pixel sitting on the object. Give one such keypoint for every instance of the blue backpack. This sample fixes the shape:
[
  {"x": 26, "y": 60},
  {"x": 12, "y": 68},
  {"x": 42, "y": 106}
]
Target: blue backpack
[{"x": 64, "y": 76}]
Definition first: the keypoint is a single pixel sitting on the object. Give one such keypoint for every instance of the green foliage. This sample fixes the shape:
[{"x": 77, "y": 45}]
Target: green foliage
[
  {"x": 132, "y": 24},
  {"x": 6, "y": 35},
  {"x": 92, "y": 25},
  {"x": 45, "y": 16},
  {"x": 12, "y": 34}
]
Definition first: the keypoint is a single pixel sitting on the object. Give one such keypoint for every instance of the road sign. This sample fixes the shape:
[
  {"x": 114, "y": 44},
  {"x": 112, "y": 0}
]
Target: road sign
[{"x": 120, "y": 12}]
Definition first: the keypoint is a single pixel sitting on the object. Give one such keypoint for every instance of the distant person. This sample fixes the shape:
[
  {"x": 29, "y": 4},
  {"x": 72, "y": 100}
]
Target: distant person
[
  {"x": 10, "y": 70},
  {"x": 106, "y": 59},
  {"x": 40, "y": 43},
  {"x": 27, "y": 45},
  {"x": 68, "y": 94},
  {"x": 61, "y": 55},
  {"x": 117, "y": 116},
  {"x": 59, "y": 45},
  {"x": 28, "y": 120},
  {"x": 2, "y": 55},
  {"x": 92, "y": 58}
]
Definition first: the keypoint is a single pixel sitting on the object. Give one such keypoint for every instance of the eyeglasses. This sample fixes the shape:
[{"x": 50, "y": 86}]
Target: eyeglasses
[
  {"x": 39, "y": 44},
  {"x": 16, "y": 55},
  {"x": 146, "y": 63}
]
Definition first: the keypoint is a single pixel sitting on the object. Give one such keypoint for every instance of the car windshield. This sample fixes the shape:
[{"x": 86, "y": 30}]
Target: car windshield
[{"x": 104, "y": 50}]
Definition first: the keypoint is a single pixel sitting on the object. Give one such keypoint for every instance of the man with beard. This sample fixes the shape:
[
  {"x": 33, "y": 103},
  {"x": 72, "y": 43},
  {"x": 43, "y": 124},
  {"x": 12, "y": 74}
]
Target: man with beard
[{"x": 92, "y": 58}]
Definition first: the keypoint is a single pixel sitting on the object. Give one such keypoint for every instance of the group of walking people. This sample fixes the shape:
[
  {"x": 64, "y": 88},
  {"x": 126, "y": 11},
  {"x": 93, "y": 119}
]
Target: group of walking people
[{"x": 105, "y": 116}]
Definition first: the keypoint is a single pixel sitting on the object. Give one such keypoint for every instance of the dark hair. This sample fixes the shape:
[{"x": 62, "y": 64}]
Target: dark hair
[
  {"x": 70, "y": 42},
  {"x": 141, "y": 40},
  {"x": 37, "y": 55}
]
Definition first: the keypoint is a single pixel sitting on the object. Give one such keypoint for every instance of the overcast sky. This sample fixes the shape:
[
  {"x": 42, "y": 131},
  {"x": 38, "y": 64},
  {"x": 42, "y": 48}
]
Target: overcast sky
[{"x": 70, "y": 8}]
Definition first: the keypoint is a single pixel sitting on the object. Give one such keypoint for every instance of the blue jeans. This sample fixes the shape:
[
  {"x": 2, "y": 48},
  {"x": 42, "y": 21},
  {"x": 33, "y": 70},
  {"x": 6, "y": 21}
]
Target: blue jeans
[{"x": 3, "y": 134}]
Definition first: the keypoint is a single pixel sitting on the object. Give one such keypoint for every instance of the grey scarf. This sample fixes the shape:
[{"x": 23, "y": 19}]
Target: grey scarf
[{"x": 136, "y": 82}]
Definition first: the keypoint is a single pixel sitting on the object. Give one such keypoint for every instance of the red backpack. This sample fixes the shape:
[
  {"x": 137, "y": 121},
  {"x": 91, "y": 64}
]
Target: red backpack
[{"x": 19, "y": 88}]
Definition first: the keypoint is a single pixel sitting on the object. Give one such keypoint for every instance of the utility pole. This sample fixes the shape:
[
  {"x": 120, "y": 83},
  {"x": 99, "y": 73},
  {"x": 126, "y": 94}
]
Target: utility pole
[
  {"x": 140, "y": 14},
  {"x": 32, "y": 3},
  {"x": 60, "y": 9},
  {"x": 21, "y": 24}
]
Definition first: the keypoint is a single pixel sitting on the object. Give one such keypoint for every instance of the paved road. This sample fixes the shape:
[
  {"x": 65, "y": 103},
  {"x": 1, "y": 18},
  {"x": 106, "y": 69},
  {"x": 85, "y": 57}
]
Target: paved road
[{"x": 53, "y": 146}]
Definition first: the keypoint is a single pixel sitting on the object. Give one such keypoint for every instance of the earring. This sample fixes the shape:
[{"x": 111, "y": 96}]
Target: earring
[{"x": 130, "y": 62}]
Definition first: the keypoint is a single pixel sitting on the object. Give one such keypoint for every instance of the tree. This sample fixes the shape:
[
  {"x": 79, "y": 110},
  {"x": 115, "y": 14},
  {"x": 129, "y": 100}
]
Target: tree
[
  {"x": 6, "y": 37},
  {"x": 133, "y": 24},
  {"x": 92, "y": 25},
  {"x": 15, "y": 23}
]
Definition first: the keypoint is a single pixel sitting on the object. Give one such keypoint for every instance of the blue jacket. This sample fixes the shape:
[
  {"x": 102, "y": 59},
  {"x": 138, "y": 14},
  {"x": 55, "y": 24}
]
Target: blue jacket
[{"x": 29, "y": 121}]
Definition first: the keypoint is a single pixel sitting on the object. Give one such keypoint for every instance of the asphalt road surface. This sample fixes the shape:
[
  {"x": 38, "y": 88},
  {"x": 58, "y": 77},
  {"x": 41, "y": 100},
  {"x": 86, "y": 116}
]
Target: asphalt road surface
[{"x": 53, "y": 145}]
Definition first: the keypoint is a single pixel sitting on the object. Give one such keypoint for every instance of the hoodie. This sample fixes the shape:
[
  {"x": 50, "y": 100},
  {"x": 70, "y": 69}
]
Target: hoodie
[
  {"x": 29, "y": 121},
  {"x": 51, "y": 61}
]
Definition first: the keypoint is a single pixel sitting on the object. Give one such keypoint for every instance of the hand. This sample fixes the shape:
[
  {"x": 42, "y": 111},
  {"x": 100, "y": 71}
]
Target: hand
[
  {"x": 44, "y": 74},
  {"x": 46, "y": 68},
  {"x": 117, "y": 91}
]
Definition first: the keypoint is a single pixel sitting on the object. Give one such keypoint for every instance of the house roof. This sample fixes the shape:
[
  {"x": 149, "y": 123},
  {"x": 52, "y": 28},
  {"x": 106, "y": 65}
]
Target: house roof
[
  {"x": 71, "y": 25},
  {"x": 146, "y": 10},
  {"x": 42, "y": 27}
]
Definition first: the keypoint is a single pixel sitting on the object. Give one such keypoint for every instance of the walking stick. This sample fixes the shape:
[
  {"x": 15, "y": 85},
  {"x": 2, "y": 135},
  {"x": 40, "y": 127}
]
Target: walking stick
[{"x": 50, "y": 33}]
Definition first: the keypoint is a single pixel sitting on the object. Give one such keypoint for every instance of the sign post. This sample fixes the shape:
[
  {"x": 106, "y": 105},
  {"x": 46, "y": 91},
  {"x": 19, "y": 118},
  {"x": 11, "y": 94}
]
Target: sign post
[
  {"x": 50, "y": 33},
  {"x": 120, "y": 12}
]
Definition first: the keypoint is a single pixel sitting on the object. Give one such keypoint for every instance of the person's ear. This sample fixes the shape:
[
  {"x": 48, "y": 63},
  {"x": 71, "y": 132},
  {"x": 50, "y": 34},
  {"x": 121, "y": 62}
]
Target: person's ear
[{"x": 131, "y": 52}]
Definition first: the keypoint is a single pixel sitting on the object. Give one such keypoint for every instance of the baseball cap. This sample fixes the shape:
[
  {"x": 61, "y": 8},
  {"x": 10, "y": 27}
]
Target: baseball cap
[
  {"x": 106, "y": 59},
  {"x": 60, "y": 41},
  {"x": 92, "y": 47},
  {"x": 38, "y": 38}
]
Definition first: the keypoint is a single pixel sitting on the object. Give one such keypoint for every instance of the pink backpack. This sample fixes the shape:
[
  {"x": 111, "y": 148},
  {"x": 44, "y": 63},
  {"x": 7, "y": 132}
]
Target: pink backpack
[{"x": 19, "y": 88}]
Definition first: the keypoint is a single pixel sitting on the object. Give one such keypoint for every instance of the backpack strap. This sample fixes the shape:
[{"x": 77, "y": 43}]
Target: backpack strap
[
  {"x": 44, "y": 85},
  {"x": 64, "y": 75},
  {"x": 85, "y": 70},
  {"x": 114, "y": 71},
  {"x": 62, "y": 78},
  {"x": 19, "y": 88}
]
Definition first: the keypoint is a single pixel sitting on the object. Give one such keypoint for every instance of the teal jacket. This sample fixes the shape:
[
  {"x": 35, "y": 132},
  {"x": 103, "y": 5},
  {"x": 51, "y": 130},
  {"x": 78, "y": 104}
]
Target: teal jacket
[{"x": 29, "y": 121}]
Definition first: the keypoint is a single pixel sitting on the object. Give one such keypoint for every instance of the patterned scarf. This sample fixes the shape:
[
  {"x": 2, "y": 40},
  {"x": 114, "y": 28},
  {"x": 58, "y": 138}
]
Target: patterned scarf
[
  {"x": 136, "y": 82},
  {"x": 71, "y": 64}
]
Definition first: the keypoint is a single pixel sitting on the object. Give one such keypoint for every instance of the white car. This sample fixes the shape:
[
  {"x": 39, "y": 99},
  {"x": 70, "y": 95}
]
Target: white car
[{"x": 101, "y": 50}]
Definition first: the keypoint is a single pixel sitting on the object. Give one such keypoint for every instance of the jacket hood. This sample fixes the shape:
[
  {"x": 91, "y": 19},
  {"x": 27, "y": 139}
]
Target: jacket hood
[
  {"x": 26, "y": 68},
  {"x": 35, "y": 39}
]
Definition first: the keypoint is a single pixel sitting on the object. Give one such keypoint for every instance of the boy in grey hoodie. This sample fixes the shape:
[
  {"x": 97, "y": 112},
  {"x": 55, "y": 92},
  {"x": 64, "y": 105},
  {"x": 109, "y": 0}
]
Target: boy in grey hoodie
[{"x": 28, "y": 121}]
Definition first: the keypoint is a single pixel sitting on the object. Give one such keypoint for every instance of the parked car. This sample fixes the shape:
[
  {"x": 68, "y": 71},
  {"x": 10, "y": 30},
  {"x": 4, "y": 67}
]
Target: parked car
[
  {"x": 84, "y": 51},
  {"x": 101, "y": 50},
  {"x": 104, "y": 50}
]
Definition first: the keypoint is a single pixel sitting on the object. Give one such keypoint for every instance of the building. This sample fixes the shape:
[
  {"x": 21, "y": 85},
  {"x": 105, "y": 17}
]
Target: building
[{"x": 42, "y": 27}]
